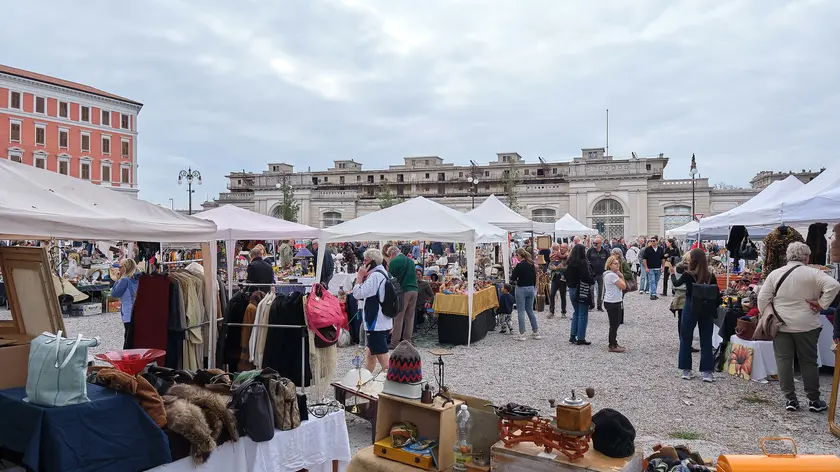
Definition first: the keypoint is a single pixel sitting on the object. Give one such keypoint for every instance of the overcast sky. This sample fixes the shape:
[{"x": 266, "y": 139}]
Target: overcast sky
[{"x": 232, "y": 85}]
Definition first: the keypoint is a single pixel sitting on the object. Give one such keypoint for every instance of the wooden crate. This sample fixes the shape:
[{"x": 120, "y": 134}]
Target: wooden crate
[
  {"x": 433, "y": 421},
  {"x": 527, "y": 457}
]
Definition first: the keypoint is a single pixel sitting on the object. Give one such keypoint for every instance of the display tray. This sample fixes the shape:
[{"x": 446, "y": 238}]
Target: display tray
[{"x": 384, "y": 448}]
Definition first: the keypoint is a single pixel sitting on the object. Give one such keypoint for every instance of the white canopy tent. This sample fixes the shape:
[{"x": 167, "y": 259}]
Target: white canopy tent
[
  {"x": 493, "y": 211},
  {"x": 691, "y": 229},
  {"x": 568, "y": 226},
  {"x": 424, "y": 220},
  {"x": 817, "y": 202},
  {"x": 745, "y": 214},
  {"x": 37, "y": 204},
  {"x": 235, "y": 224}
]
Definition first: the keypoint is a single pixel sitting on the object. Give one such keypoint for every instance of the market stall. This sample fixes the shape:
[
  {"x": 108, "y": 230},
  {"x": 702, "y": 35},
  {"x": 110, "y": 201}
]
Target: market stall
[
  {"x": 568, "y": 226},
  {"x": 419, "y": 219},
  {"x": 743, "y": 215},
  {"x": 234, "y": 224},
  {"x": 453, "y": 312}
]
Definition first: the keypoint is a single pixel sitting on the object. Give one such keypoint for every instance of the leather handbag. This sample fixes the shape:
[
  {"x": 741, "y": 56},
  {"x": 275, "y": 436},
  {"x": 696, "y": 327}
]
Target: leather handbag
[
  {"x": 324, "y": 315},
  {"x": 57, "y": 370},
  {"x": 769, "y": 324},
  {"x": 745, "y": 328},
  {"x": 748, "y": 250}
]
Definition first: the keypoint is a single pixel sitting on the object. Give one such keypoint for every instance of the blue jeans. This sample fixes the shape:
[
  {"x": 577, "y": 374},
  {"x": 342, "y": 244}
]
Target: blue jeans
[
  {"x": 653, "y": 281},
  {"x": 643, "y": 281},
  {"x": 705, "y": 325},
  {"x": 525, "y": 304},
  {"x": 580, "y": 316}
]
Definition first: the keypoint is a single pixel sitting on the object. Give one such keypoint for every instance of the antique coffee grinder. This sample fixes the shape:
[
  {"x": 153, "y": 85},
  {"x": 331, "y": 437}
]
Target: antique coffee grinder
[
  {"x": 574, "y": 414},
  {"x": 572, "y": 428}
]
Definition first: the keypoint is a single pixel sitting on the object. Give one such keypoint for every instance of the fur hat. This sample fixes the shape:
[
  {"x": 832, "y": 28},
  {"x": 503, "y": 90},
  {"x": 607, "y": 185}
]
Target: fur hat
[
  {"x": 614, "y": 435},
  {"x": 405, "y": 365}
]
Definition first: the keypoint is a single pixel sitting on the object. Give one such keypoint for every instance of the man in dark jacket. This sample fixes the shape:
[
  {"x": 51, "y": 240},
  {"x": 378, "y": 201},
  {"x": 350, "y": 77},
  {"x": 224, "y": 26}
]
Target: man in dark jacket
[
  {"x": 259, "y": 271},
  {"x": 329, "y": 264},
  {"x": 597, "y": 256}
]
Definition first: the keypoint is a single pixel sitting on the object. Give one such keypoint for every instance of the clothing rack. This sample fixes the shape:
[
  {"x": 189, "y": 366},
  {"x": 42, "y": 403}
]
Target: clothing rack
[
  {"x": 304, "y": 336},
  {"x": 180, "y": 262}
]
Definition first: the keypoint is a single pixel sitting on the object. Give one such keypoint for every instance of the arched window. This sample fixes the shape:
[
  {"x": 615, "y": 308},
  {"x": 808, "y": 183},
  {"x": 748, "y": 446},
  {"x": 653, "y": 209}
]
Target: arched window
[
  {"x": 608, "y": 218},
  {"x": 676, "y": 216},
  {"x": 332, "y": 218},
  {"x": 544, "y": 215}
]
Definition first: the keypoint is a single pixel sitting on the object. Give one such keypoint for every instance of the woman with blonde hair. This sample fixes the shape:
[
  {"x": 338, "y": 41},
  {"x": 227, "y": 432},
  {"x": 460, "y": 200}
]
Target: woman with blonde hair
[
  {"x": 614, "y": 286},
  {"x": 126, "y": 290}
]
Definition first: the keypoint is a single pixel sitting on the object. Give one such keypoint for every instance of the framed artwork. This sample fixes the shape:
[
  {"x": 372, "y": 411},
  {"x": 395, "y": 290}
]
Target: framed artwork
[{"x": 739, "y": 360}]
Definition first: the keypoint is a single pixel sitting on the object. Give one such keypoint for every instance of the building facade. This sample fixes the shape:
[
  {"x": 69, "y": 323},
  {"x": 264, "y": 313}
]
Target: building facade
[
  {"x": 767, "y": 177},
  {"x": 620, "y": 197},
  {"x": 69, "y": 128}
]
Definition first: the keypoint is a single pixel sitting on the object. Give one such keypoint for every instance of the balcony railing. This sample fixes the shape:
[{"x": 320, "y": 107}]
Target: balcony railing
[{"x": 236, "y": 196}]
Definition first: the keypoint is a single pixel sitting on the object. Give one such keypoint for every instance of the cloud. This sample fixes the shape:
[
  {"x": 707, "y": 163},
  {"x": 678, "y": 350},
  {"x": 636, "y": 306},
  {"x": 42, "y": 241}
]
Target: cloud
[{"x": 746, "y": 85}]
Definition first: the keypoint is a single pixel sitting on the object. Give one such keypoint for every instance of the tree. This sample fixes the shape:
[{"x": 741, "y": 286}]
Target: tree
[
  {"x": 289, "y": 207},
  {"x": 725, "y": 186},
  {"x": 386, "y": 198},
  {"x": 510, "y": 180}
]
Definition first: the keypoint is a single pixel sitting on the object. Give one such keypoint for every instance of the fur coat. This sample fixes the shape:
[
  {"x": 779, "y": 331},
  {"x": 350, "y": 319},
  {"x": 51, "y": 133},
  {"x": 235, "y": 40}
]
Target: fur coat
[
  {"x": 201, "y": 417},
  {"x": 143, "y": 392}
]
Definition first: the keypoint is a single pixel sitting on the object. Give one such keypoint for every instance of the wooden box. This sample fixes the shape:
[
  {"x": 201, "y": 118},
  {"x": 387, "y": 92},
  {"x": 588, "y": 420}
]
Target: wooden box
[
  {"x": 527, "y": 457},
  {"x": 574, "y": 418},
  {"x": 433, "y": 421}
]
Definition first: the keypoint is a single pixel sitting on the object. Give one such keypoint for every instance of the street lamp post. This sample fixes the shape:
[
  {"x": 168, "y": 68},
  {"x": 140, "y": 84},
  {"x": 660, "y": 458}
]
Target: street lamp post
[
  {"x": 693, "y": 172},
  {"x": 473, "y": 180},
  {"x": 189, "y": 175}
]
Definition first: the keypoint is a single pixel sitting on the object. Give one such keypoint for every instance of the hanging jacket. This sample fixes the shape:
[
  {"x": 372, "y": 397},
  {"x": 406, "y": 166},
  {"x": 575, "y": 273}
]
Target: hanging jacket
[
  {"x": 817, "y": 242},
  {"x": 775, "y": 248}
]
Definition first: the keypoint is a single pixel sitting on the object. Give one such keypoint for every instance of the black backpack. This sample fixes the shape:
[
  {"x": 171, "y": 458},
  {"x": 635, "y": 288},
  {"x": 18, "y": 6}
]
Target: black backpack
[
  {"x": 705, "y": 299},
  {"x": 253, "y": 410},
  {"x": 392, "y": 304}
]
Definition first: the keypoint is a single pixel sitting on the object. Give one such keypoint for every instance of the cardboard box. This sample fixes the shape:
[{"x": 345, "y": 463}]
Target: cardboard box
[{"x": 14, "y": 357}]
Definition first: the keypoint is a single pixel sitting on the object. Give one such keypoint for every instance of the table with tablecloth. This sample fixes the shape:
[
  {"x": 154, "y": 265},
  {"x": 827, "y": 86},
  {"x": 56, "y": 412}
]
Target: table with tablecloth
[
  {"x": 452, "y": 310},
  {"x": 110, "y": 433},
  {"x": 757, "y": 366},
  {"x": 313, "y": 446}
]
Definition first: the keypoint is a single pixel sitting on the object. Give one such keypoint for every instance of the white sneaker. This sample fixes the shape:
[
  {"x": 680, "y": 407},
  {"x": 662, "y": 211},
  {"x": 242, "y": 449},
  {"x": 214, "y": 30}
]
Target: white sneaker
[
  {"x": 687, "y": 375},
  {"x": 522, "y": 337},
  {"x": 536, "y": 335}
]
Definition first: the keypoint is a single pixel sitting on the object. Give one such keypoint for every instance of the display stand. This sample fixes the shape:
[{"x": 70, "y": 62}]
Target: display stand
[
  {"x": 528, "y": 457},
  {"x": 434, "y": 421}
]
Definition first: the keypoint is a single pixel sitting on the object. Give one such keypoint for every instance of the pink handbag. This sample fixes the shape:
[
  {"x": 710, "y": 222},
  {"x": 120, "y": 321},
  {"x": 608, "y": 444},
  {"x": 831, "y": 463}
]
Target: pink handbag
[{"x": 324, "y": 315}]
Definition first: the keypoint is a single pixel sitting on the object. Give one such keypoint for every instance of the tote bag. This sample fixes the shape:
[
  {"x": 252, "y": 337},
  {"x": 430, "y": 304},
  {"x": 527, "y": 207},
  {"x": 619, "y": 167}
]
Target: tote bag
[{"x": 57, "y": 368}]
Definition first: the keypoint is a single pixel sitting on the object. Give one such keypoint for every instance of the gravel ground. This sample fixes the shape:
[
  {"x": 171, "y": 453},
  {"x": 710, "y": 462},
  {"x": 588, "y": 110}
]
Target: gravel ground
[{"x": 728, "y": 416}]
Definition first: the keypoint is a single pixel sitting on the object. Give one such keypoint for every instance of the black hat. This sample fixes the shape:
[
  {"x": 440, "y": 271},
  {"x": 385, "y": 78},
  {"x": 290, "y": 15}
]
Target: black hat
[{"x": 614, "y": 436}]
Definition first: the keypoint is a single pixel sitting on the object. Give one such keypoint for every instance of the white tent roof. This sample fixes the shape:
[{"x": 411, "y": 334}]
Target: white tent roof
[
  {"x": 569, "y": 226},
  {"x": 690, "y": 229},
  {"x": 234, "y": 224},
  {"x": 745, "y": 214},
  {"x": 37, "y": 204},
  {"x": 418, "y": 218},
  {"x": 817, "y": 202},
  {"x": 493, "y": 211}
]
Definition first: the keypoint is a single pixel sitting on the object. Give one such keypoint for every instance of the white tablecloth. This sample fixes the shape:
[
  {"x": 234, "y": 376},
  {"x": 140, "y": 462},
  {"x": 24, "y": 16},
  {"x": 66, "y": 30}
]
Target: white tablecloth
[
  {"x": 312, "y": 446},
  {"x": 764, "y": 357},
  {"x": 825, "y": 356}
]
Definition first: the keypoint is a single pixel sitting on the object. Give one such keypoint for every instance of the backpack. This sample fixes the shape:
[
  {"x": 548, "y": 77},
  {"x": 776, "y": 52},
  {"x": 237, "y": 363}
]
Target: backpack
[
  {"x": 705, "y": 299},
  {"x": 392, "y": 304}
]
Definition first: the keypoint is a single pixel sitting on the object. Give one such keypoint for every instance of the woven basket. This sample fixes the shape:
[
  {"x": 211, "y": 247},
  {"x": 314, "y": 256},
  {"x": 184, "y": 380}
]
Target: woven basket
[{"x": 745, "y": 329}]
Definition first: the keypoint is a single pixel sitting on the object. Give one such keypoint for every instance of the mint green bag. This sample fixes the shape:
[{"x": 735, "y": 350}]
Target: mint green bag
[{"x": 57, "y": 370}]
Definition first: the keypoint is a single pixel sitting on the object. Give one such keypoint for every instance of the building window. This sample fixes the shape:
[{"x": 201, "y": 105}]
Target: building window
[
  {"x": 85, "y": 142},
  {"x": 41, "y": 105},
  {"x": 126, "y": 175},
  {"x": 441, "y": 177},
  {"x": 341, "y": 179},
  {"x": 40, "y": 162},
  {"x": 460, "y": 175},
  {"x": 14, "y": 131},
  {"x": 64, "y": 109},
  {"x": 400, "y": 178},
  {"x": 124, "y": 148},
  {"x": 370, "y": 179},
  {"x": 676, "y": 216},
  {"x": 63, "y": 138},
  {"x": 331, "y": 218},
  {"x": 381, "y": 177},
  {"x": 41, "y": 135},
  {"x": 326, "y": 179},
  {"x": 527, "y": 171},
  {"x": 106, "y": 172},
  {"x": 427, "y": 175},
  {"x": 16, "y": 155},
  {"x": 106, "y": 118},
  {"x": 358, "y": 178},
  {"x": 608, "y": 218},
  {"x": 544, "y": 215},
  {"x": 15, "y": 100},
  {"x": 84, "y": 114},
  {"x": 84, "y": 171},
  {"x": 554, "y": 171},
  {"x": 124, "y": 121},
  {"x": 399, "y": 191},
  {"x": 487, "y": 173},
  {"x": 106, "y": 145},
  {"x": 64, "y": 167}
]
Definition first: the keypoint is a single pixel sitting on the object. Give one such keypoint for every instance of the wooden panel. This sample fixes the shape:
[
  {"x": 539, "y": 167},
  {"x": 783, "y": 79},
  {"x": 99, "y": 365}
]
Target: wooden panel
[
  {"x": 31, "y": 292},
  {"x": 526, "y": 457}
]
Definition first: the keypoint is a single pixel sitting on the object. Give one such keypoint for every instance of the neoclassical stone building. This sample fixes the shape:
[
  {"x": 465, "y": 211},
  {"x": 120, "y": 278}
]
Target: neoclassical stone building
[{"x": 620, "y": 197}]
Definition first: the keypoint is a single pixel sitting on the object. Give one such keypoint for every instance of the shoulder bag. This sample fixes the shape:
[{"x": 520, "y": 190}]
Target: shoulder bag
[
  {"x": 57, "y": 370},
  {"x": 769, "y": 324},
  {"x": 324, "y": 315},
  {"x": 748, "y": 251}
]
